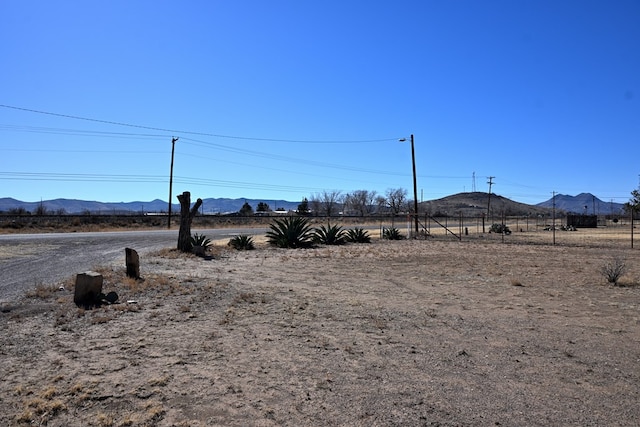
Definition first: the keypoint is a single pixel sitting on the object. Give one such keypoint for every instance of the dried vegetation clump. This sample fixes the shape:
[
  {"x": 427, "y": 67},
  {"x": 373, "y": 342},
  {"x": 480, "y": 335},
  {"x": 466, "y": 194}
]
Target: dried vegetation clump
[{"x": 613, "y": 269}]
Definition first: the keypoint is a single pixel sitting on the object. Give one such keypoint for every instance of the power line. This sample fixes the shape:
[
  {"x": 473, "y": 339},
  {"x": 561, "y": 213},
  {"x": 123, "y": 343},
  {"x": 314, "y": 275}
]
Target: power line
[
  {"x": 296, "y": 171},
  {"x": 71, "y": 177},
  {"x": 177, "y": 131},
  {"x": 78, "y": 177},
  {"x": 50, "y": 150},
  {"x": 306, "y": 161},
  {"x": 194, "y": 142},
  {"x": 78, "y": 132}
]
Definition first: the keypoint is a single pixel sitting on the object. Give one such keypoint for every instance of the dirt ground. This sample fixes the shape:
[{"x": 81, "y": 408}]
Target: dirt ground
[{"x": 411, "y": 333}]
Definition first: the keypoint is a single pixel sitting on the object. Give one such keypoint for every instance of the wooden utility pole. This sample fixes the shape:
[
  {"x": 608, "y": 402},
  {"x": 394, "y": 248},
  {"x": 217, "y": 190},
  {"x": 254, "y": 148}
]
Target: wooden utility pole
[
  {"x": 632, "y": 210},
  {"x": 553, "y": 226},
  {"x": 415, "y": 188},
  {"x": 173, "y": 147},
  {"x": 489, "y": 202}
]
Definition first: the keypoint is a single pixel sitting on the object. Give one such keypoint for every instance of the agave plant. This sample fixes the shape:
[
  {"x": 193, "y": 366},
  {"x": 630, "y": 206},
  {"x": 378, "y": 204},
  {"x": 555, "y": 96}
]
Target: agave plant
[
  {"x": 200, "y": 240},
  {"x": 242, "y": 242},
  {"x": 392, "y": 234},
  {"x": 358, "y": 235},
  {"x": 330, "y": 235},
  {"x": 291, "y": 232}
]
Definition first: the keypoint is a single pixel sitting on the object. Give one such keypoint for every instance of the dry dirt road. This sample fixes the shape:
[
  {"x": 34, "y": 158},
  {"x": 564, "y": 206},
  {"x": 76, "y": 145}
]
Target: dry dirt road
[
  {"x": 408, "y": 333},
  {"x": 29, "y": 260}
]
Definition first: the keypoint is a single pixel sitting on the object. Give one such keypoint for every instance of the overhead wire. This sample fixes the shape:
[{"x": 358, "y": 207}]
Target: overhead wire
[
  {"x": 188, "y": 141},
  {"x": 81, "y": 177},
  {"x": 196, "y": 142},
  {"x": 128, "y": 135},
  {"x": 306, "y": 161},
  {"x": 192, "y": 141},
  {"x": 296, "y": 171},
  {"x": 78, "y": 132},
  {"x": 55, "y": 176},
  {"x": 185, "y": 132},
  {"x": 54, "y": 150},
  {"x": 200, "y": 142}
]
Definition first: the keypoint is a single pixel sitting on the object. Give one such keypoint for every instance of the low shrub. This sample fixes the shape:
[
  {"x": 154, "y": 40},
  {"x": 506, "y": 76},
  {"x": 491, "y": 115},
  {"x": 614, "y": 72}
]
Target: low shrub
[
  {"x": 613, "y": 269},
  {"x": 499, "y": 228}
]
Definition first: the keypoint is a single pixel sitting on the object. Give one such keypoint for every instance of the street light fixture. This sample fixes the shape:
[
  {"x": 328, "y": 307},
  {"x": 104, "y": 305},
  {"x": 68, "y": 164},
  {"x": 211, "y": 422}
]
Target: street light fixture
[{"x": 415, "y": 186}]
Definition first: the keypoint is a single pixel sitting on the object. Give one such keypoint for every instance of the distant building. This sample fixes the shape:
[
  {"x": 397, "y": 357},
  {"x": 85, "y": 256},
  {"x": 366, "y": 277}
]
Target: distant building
[{"x": 582, "y": 221}]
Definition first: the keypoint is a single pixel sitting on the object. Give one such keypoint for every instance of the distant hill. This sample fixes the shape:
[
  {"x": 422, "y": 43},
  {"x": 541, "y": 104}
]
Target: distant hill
[
  {"x": 469, "y": 204},
  {"x": 583, "y": 203},
  {"x": 473, "y": 204},
  {"x": 72, "y": 206}
]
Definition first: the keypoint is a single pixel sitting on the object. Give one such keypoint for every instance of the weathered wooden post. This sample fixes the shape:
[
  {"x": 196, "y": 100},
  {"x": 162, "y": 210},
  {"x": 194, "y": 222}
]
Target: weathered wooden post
[
  {"x": 186, "y": 217},
  {"x": 132, "y": 261}
]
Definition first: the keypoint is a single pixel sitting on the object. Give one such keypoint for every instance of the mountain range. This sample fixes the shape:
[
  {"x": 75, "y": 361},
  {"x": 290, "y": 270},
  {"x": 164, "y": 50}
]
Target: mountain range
[
  {"x": 73, "y": 206},
  {"x": 583, "y": 203}
]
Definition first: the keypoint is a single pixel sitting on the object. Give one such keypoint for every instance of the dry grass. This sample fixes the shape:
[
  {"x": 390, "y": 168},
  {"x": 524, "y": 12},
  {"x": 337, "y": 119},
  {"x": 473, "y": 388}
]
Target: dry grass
[{"x": 42, "y": 291}]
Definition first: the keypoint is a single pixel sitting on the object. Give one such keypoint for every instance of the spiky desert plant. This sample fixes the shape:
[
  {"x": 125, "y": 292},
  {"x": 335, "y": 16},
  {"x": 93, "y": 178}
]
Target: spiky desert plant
[
  {"x": 242, "y": 242},
  {"x": 330, "y": 235},
  {"x": 200, "y": 240},
  {"x": 392, "y": 234},
  {"x": 358, "y": 235},
  {"x": 291, "y": 232}
]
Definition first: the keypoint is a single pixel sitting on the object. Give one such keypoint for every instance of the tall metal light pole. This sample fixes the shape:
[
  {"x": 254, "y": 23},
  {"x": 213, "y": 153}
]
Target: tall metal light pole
[
  {"x": 415, "y": 186},
  {"x": 173, "y": 147}
]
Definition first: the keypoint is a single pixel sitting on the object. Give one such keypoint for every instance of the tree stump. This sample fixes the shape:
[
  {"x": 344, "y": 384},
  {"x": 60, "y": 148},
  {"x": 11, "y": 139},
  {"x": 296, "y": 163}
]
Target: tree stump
[
  {"x": 186, "y": 217},
  {"x": 88, "y": 288}
]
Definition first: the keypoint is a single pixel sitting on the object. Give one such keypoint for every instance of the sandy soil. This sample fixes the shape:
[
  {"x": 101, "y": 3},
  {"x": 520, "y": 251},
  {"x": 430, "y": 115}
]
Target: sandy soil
[{"x": 411, "y": 333}]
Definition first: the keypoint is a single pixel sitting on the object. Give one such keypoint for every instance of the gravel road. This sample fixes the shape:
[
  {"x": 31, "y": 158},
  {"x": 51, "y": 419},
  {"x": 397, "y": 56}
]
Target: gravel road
[{"x": 28, "y": 260}]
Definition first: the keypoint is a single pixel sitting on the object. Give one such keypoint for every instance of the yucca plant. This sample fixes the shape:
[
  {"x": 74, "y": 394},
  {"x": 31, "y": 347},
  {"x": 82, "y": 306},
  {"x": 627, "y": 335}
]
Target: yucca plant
[
  {"x": 330, "y": 235},
  {"x": 291, "y": 232},
  {"x": 200, "y": 240},
  {"x": 242, "y": 242},
  {"x": 358, "y": 235},
  {"x": 392, "y": 234}
]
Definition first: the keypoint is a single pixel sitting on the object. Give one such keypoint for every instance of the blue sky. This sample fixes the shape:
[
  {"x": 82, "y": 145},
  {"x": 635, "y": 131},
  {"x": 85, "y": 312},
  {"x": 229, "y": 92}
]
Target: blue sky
[{"x": 284, "y": 99}]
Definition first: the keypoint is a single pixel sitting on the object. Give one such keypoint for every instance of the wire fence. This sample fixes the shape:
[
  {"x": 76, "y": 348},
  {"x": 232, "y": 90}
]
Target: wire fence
[{"x": 609, "y": 232}]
